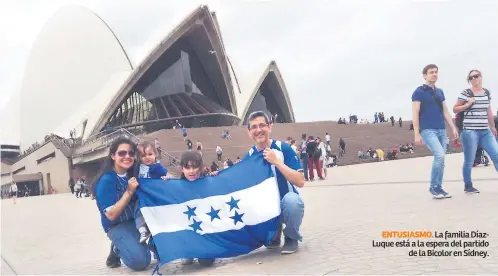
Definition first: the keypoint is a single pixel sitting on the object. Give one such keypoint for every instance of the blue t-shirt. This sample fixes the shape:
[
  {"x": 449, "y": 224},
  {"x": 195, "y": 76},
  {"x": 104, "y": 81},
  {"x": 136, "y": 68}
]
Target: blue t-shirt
[
  {"x": 431, "y": 115},
  {"x": 108, "y": 191},
  {"x": 286, "y": 154}
]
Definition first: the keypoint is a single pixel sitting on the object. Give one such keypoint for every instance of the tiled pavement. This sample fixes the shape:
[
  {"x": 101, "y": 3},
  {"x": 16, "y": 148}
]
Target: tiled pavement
[{"x": 60, "y": 234}]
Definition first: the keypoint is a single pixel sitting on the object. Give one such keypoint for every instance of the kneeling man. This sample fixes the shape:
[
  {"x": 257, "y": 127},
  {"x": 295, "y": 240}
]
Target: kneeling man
[{"x": 289, "y": 173}]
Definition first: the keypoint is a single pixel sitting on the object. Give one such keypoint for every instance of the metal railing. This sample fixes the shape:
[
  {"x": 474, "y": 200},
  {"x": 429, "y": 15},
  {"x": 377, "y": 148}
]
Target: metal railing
[
  {"x": 59, "y": 142},
  {"x": 107, "y": 139}
]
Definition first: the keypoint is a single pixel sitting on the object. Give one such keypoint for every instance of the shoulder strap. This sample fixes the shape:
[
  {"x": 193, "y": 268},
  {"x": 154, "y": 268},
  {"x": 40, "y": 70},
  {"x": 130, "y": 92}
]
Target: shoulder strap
[
  {"x": 469, "y": 91},
  {"x": 278, "y": 144},
  {"x": 436, "y": 98},
  {"x": 486, "y": 91}
]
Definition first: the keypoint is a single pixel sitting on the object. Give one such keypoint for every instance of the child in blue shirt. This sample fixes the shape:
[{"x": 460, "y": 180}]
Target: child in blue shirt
[
  {"x": 148, "y": 168},
  {"x": 193, "y": 169}
]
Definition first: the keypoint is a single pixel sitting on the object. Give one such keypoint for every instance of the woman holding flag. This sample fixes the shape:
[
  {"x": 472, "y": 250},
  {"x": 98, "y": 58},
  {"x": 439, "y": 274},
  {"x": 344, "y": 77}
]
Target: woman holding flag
[{"x": 115, "y": 196}]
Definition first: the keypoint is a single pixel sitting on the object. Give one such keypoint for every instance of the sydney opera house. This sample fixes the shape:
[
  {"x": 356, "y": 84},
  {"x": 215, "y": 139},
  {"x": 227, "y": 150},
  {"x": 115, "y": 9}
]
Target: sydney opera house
[{"x": 83, "y": 82}]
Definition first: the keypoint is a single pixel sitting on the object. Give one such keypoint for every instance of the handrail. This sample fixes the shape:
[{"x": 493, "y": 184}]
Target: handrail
[
  {"x": 172, "y": 159},
  {"x": 61, "y": 142},
  {"x": 108, "y": 138},
  {"x": 52, "y": 138}
]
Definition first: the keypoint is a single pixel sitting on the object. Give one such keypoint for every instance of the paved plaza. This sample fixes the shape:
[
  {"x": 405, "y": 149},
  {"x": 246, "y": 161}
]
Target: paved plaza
[{"x": 60, "y": 234}]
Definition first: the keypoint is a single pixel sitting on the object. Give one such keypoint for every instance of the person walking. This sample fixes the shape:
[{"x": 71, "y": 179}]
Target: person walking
[
  {"x": 198, "y": 146},
  {"x": 304, "y": 156},
  {"x": 219, "y": 152},
  {"x": 342, "y": 147},
  {"x": 323, "y": 157},
  {"x": 327, "y": 138},
  {"x": 314, "y": 154},
  {"x": 430, "y": 112},
  {"x": 78, "y": 188},
  {"x": 184, "y": 133},
  {"x": 13, "y": 191},
  {"x": 71, "y": 185},
  {"x": 477, "y": 126}
]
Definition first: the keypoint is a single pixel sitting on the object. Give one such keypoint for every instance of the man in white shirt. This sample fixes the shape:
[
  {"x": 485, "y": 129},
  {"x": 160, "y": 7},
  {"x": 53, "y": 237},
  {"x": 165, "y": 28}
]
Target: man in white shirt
[
  {"x": 327, "y": 138},
  {"x": 13, "y": 191}
]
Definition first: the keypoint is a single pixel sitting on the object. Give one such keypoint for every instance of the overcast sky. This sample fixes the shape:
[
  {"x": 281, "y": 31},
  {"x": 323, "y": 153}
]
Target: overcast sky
[{"x": 336, "y": 57}]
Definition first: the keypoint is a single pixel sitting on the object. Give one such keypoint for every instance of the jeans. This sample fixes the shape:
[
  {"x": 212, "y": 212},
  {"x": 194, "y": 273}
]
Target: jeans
[
  {"x": 435, "y": 140},
  {"x": 470, "y": 140},
  {"x": 305, "y": 158},
  {"x": 126, "y": 238},
  {"x": 292, "y": 215}
]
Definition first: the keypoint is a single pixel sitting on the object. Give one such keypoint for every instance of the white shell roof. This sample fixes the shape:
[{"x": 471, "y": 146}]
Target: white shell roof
[
  {"x": 73, "y": 57},
  {"x": 87, "y": 77}
]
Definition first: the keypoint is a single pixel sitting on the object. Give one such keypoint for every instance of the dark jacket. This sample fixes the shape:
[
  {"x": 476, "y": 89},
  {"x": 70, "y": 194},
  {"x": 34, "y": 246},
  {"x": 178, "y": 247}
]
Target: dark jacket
[{"x": 311, "y": 147}]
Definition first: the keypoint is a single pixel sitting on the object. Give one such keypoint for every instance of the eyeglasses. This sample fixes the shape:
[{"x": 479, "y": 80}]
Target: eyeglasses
[
  {"x": 260, "y": 126},
  {"x": 123, "y": 153},
  {"x": 475, "y": 77}
]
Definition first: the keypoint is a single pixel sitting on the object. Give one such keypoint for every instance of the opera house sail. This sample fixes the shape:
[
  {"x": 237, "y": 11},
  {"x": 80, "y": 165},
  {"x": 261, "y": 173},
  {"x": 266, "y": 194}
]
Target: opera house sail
[
  {"x": 187, "y": 77},
  {"x": 271, "y": 96}
]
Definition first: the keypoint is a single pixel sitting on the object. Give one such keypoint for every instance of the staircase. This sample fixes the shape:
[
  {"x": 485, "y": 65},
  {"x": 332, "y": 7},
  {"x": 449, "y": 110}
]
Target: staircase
[
  {"x": 97, "y": 147},
  {"x": 357, "y": 136}
]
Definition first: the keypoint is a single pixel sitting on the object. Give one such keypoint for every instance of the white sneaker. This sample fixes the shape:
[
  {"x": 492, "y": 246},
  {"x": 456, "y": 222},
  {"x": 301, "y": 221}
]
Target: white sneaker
[{"x": 144, "y": 236}]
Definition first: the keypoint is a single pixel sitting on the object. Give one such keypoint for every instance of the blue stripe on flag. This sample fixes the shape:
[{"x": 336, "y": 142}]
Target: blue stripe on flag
[{"x": 188, "y": 244}]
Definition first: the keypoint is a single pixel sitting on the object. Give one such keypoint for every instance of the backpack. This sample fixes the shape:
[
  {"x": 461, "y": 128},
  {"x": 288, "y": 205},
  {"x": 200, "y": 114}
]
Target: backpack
[
  {"x": 317, "y": 153},
  {"x": 460, "y": 115}
]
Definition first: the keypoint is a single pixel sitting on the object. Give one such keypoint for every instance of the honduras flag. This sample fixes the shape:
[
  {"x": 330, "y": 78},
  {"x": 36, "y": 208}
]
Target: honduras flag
[{"x": 220, "y": 216}]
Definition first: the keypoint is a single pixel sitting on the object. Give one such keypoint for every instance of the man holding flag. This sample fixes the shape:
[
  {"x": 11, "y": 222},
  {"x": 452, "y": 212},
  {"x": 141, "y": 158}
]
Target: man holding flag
[
  {"x": 233, "y": 213},
  {"x": 289, "y": 173}
]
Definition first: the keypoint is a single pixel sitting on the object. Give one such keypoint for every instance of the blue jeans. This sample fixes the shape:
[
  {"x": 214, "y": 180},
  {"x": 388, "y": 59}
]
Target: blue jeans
[
  {"x": 292, "y": 215},
  {"x": 470, "y": 140},
  {"x": 305, "y": 159},
  {"x": 126, "y": 238},
  {"x": 436, "y": 140}
]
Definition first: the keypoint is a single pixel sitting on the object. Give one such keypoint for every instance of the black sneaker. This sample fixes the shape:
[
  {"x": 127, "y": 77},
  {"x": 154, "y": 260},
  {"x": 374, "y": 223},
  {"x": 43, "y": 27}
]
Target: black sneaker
[
  {"x": 436, "y": 193},
  {"x": 206, "y": 262},
  {"x": 290, "y": 246},
  {"x": 113, "y": 259},
  {"x": 445, "y": 194},
  {"x": 471, "y": 190}
]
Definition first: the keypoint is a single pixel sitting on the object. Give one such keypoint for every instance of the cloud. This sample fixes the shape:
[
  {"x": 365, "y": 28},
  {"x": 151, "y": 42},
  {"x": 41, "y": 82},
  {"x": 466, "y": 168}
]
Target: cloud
[{"x": 337, "y": 57}]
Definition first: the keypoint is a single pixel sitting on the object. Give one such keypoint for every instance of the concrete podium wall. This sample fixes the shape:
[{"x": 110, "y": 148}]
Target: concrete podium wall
[{"x": 56, "y": 168}]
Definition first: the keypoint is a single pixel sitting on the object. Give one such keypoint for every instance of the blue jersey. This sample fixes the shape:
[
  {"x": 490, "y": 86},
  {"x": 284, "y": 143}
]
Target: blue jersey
[
  {"x": 108, "y": 191},
  {"x": 286, "y": 154}
]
